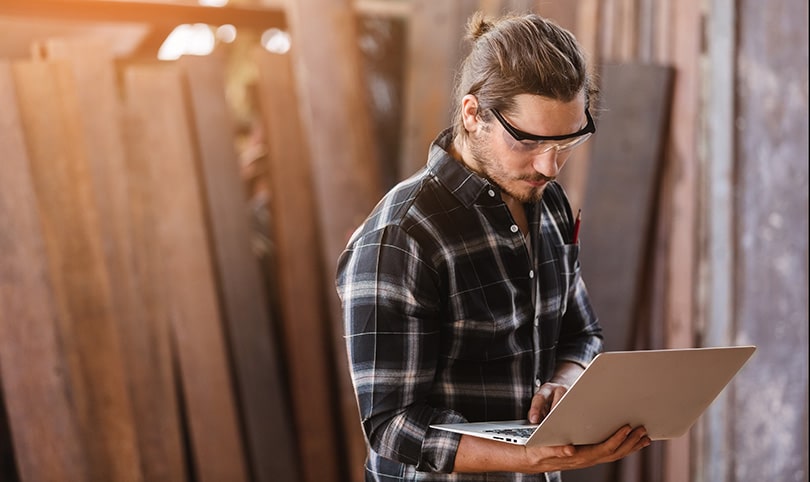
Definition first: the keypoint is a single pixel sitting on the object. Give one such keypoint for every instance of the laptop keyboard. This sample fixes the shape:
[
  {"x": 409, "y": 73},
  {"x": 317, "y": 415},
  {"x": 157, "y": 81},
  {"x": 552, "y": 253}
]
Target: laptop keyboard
[{"x": 513, "y": 432}]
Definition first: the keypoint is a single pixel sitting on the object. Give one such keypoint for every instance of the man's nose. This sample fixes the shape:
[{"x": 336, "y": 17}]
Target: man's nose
[{"x": 546, "y": 163}]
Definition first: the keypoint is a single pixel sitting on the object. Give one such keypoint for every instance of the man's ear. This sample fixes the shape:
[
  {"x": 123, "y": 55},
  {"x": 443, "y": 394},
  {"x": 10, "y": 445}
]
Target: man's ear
[{"x": 469, "y": 113}]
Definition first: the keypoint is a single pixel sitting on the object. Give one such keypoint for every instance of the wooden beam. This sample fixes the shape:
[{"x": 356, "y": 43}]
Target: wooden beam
[
  {"x": 245, "y": 303},
  {"x": 384, "y": 8},
  {"x": 679, "y": 208},
  {"x": 337, "y": 121},
  {"x": 622, "y": 193},
  {"x": 161, "y": 145},
  {"x": 153, "y": 13},
  {"x": 145, "y": 352},
  {"x": 435, "y": 32},
  {"x": 295, "y": 236},
  {"x": 49, "y": 108},
  {"x": 41, "y": 412},
  {"x": 173, "y": 14},
  {"x": 715, "y": 313}
]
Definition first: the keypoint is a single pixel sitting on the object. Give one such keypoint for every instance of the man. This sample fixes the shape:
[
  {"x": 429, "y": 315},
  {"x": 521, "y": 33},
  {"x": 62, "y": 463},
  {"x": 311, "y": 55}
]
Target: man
[{"x": 461, "y": 291}]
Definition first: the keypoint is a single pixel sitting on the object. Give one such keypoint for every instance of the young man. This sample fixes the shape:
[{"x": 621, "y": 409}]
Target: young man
[{"x": 461, "y": 291}]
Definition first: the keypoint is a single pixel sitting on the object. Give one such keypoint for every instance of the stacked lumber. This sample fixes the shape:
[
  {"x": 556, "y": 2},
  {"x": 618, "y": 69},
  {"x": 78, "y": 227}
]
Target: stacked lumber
[{"x": 135, "y": 333}]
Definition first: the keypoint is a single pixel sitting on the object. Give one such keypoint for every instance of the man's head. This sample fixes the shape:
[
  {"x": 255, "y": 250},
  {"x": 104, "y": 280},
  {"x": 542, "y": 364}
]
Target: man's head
[
  {"x": 521, "y": 101},
  {"x": 519, "y": 55}
]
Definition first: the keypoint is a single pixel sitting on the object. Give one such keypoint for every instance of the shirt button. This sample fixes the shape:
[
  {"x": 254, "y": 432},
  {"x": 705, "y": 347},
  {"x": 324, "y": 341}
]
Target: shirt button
[
  {"x": 537, "y": 321},
  {"x": 491, "y": 193},
  {"x": 537, "y": 382},
  {"x": 531, "y": 273},
  {"x": 514, "y": 228}
]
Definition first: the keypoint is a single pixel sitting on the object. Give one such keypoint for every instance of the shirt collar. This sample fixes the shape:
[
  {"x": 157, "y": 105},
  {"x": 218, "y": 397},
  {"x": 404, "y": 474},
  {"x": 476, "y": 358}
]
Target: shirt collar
[{"x": 466, "y": 185}]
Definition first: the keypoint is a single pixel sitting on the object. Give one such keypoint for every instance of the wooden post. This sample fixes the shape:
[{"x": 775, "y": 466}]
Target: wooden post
[
  {"x": 36, "y": 386},
  {"x": 49, "y": 108},
  {"x": 300, "y": 272},
  {"x": 434, "y": 40},
  {"x": 145, "y": 352},
  {"x": 245, "y": 304},
  {"x": 677, "y": 240},
  {"x": 161, "y": 145},
  {"x": 582, "y": 19},
  {"x": 337, "y": 121}
]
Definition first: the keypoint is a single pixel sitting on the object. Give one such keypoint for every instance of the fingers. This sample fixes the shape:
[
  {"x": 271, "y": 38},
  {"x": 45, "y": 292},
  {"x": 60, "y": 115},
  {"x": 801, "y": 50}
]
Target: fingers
[
  {"x": 546, "y": 397},
  {"x": 626, "y": 441},
  {"x": 537, "y": 408}
]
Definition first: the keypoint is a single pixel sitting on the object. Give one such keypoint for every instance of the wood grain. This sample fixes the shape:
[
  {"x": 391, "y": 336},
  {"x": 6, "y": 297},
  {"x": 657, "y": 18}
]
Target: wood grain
[{"x": 161, "y": 145}]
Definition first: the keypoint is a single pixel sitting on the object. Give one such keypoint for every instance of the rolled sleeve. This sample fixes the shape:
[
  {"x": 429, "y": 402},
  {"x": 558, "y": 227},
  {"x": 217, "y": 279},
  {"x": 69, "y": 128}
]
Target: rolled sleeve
[{"x": 391, "y": 310}]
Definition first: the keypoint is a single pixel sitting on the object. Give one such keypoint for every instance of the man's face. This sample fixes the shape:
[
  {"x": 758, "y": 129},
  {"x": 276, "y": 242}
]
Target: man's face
[{"x": 522, "y": 168}]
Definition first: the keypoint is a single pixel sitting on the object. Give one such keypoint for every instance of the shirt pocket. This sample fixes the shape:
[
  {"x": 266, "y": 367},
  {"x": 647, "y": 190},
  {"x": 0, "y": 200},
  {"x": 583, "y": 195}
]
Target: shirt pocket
[{"x": 568, "y": 268}]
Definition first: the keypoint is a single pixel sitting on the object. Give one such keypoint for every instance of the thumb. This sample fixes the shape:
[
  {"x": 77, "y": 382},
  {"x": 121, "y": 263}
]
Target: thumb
[
  {"x": 565, "y": 450},
  {"x": 536, "y": 409}
]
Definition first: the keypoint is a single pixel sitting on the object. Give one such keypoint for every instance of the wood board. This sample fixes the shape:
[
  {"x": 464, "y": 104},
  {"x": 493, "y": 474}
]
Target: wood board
[
  {"x": 45, "y": 428},
  {"x": 49, "y": 107},
  {"x": 246, "y": 313},
  {"x": 140, "y": 321},
  {"x": 295, "y": 234},
  {"x": 160, "y": 141}
]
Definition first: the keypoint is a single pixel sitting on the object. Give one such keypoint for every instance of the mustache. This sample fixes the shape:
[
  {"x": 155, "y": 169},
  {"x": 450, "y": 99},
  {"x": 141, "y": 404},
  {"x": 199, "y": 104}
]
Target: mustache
[{"x": 538, "y": 178}]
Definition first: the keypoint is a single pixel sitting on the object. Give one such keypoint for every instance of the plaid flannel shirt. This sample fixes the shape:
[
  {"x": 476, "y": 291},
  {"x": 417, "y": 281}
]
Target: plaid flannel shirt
[{"x": 451, "y": 317}]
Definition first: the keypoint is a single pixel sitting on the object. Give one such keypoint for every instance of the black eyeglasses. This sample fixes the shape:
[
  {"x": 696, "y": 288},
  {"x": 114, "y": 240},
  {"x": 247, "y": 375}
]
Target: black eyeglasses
[{"x": 550, "y": 142}]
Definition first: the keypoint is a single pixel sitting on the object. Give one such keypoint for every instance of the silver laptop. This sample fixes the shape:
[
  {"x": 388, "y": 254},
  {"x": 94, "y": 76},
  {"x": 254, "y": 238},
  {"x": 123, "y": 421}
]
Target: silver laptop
[{"x": 663, "y": 390}]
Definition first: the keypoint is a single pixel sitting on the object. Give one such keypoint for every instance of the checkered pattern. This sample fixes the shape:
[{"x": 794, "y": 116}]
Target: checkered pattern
[{"x": 442, "y": 320}]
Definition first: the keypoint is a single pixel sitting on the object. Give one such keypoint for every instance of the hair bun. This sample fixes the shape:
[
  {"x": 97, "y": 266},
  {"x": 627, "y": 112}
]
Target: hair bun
[{"x": 478, "y": 26}]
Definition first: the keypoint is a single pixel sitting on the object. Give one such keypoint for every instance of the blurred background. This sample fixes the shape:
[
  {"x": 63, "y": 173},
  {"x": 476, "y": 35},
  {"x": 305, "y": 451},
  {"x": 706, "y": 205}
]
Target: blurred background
[{"x": 177, "y": 180}]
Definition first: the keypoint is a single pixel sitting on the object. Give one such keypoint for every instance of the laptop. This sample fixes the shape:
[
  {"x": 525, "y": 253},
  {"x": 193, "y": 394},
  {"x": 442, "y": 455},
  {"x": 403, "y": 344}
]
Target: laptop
[{"x": 663, "y": 390}]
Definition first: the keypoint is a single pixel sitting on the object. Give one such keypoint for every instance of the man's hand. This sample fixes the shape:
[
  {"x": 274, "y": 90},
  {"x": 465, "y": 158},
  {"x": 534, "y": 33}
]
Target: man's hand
[
  {"x": 551, "y": 392},
  {"x": 481, "y": 455},
  {"x": 624, "y": 442},
  {"x": 546, "y": 397}
]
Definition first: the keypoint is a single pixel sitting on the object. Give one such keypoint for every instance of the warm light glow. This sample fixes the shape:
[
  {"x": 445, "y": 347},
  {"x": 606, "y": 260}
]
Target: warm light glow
[
  {"x": 187, "y": 39},
  {"x": 276, "y": 41},
  {"x": 226, "y": 33},
  {"x": 213, "y": 3}
]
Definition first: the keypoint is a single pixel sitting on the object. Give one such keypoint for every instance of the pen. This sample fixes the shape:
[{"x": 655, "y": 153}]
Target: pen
[{"x": 577, "y": 222}]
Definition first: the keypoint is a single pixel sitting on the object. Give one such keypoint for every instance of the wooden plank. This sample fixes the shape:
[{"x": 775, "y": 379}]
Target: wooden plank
[
  {"x": 336, "y": 116},
  {"x": 49, "y": 110},
  {"x": 681, "y": 209},
  {"x": 580, "y": 17},
  {"x": 384, "y": 8},
  {"x": 618, "y": 211},
  {"x": 145, "y": 352},
  {"x": 628, "y": 41},
  {"x": 161, "y": 140},
  {"x": 264, "y": 410},
  {"x": 289, "y": 177},
  {"x": 564, "y": 13},
  {"x": 621, "y": 193},
  {"x": 715, "y": 312},
  {"x": 151, "y": 12},
  {"x": 770, "y": 236},
  {"x": 45, "y": 429},
  {"x": 435, "y": 32}
]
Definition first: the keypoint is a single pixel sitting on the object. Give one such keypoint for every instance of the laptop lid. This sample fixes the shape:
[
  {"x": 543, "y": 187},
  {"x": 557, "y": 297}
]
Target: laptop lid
[{"x": 664, "y": 390}]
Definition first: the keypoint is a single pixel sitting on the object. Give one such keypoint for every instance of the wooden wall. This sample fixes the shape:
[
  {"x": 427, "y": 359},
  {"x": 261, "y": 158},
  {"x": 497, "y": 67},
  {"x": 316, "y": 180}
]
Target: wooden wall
[
  {"x": 135, "y": 335},
  {"x": 767, "y": 412}
]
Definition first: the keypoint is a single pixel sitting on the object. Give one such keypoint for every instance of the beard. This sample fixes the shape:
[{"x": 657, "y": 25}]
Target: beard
[{"x": 490, "y": 168}]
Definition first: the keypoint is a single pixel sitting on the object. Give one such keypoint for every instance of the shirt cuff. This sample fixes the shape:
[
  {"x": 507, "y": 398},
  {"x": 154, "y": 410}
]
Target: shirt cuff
[{"x": 439, "y": 447}]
